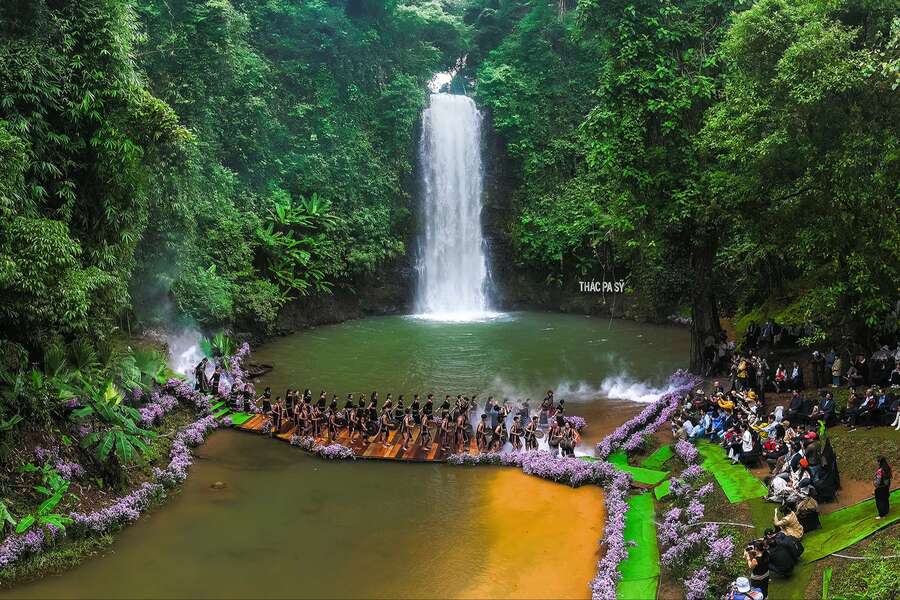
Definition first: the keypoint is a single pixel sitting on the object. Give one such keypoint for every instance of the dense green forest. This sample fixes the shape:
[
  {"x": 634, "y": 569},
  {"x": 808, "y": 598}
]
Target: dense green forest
[
  {"x": 218, "y": 159},
  {"x": 227, "y": 164}
]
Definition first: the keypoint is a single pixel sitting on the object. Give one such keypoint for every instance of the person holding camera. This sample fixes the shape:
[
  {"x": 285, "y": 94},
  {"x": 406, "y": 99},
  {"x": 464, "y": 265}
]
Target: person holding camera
[{"x": 758, "y": 562}]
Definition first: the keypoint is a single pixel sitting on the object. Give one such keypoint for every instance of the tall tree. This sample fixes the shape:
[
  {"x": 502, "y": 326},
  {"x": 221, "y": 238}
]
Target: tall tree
[
  {"x": 661, "y": 74},
  {"x": 808, "y": 141}
]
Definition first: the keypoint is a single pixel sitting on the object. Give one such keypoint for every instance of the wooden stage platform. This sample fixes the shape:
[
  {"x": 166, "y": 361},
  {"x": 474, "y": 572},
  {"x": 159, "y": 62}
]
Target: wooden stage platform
[{"x": 362, "y": 448}]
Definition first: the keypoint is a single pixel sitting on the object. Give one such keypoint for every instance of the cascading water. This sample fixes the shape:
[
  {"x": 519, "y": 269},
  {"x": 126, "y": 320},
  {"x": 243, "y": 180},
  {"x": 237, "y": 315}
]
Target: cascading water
[{"x": 452, "y": 284}]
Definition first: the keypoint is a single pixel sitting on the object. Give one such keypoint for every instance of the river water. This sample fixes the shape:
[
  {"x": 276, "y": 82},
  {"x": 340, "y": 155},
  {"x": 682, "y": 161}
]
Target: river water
[{"x": 289, "y": 525}]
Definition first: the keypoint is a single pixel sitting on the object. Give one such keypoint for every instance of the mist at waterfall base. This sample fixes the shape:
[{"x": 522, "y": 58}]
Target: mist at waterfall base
[
  {"x": 452, "y": 268},
  {"x": 185, "y": 354}
]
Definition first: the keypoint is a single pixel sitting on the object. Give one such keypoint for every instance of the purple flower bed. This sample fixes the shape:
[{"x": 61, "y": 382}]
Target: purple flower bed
[
  {"x": 697, "y": 585},
  {"x": 16, "y": 546},
  {"x": 682, "y": 537},
  {"x": 630, "y": 435},
  {"x": 603, "y": 585},
  {"x": 543, "y": 464},
  {"x": 577, "y": 423},
  {"x": 331, "y": 451},
  {"x": 136, "y": 396},
  {"x": 123, "y": 511},
  {"x": 183, "y": 392},
  {"x": 153, "y": 412},
  {"x": 66, "y": 469},
  {"x": 235, "y": 370},
  {"x": 180, "y": 457}
]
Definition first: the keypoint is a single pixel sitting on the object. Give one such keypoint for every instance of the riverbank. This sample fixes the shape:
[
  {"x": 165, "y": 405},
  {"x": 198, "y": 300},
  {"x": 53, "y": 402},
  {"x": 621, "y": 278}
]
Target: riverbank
[
  {"x": 91, "y": 498},
  {"x": 62, "y": 528}
]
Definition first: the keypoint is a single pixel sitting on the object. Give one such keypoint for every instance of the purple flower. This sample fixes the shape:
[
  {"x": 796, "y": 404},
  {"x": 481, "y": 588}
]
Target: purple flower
[
  {"x": 123, "y": 511},
  {"x": 720, "y": 550},
  {"x": 180, "y": 457},
  {"x": 17, "y": 546},
  {"x": 697, "y": 585},
  {"x": 69, "y": 470},
  {"x": 577, "y": 423},
  {"x": 687, "y": 452},
  {"x": 331, "y": 451},
  {"x": 695, "y": 511},
  {"x": 692, "y": 473}
]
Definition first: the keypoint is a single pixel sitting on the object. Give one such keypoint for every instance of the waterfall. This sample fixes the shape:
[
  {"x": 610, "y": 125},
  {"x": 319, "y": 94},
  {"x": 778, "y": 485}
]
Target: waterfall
[{"x": 452, "y": 283}]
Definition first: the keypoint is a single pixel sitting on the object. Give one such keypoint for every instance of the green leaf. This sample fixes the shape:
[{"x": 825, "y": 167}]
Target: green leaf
[{"x": 25, "y": 523}]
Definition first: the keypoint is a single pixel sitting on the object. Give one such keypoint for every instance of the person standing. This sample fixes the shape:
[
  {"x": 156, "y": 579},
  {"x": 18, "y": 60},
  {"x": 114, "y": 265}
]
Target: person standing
[
  {"x": 202, "y": 383},
  {"x": 214, "y": 381},
  {"x": 882, "y": 487},
  {"x": 818, "y": 369},
  {"x": 796, "y": 377},
  {"x": 837, "y": 369}
]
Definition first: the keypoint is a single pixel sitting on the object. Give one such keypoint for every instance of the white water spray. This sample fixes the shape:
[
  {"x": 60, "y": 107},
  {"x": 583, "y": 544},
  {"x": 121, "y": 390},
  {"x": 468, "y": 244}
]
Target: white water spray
[
  {"x": 623, "y": 387},
  {"x": 452, "y": 283},
  {"x": 184, "y": 352}
]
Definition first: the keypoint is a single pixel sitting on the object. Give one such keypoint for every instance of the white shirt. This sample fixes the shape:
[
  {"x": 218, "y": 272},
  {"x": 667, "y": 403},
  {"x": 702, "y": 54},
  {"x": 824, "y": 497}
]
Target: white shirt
[{"x": 747, "y": 441}]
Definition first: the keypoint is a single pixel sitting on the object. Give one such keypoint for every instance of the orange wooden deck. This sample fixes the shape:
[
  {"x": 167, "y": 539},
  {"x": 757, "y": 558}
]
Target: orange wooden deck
[{"x": 365, "y": 449}]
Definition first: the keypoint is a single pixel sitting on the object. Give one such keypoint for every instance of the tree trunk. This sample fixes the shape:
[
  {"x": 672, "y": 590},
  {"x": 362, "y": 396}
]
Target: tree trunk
[{"x": 704, "y": 309}]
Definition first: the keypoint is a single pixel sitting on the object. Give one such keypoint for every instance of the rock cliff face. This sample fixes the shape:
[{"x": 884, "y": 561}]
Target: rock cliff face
[{"x": 388, "y": 292}]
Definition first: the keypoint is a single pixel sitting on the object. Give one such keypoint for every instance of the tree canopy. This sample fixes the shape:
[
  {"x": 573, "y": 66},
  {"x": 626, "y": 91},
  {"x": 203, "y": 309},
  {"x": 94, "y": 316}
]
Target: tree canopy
[{"x": 218, "y": 159}]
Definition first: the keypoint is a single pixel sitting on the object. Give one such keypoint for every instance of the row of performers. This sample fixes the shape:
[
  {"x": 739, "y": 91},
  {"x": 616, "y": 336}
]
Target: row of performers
[
  {"x": 452, "y": 428},
  {"x": 242, "y": 397}
]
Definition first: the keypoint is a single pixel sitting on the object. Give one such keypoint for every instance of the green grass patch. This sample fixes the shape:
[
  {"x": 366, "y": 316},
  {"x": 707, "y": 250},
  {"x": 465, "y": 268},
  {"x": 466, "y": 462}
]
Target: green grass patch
[
  {"x": 640, "y": 571},
  {"x": 659, "y": 458},
  {"x": 876, "y": 578},
  {"x": 618, "y": 458},
  {"x": 663, "y": 490},
  {"x": 736, "y": 481},
  {"x": 847, "y": 526},
  {"x": 638, "y": 474},
  {"x": 239, "y": 418}
]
